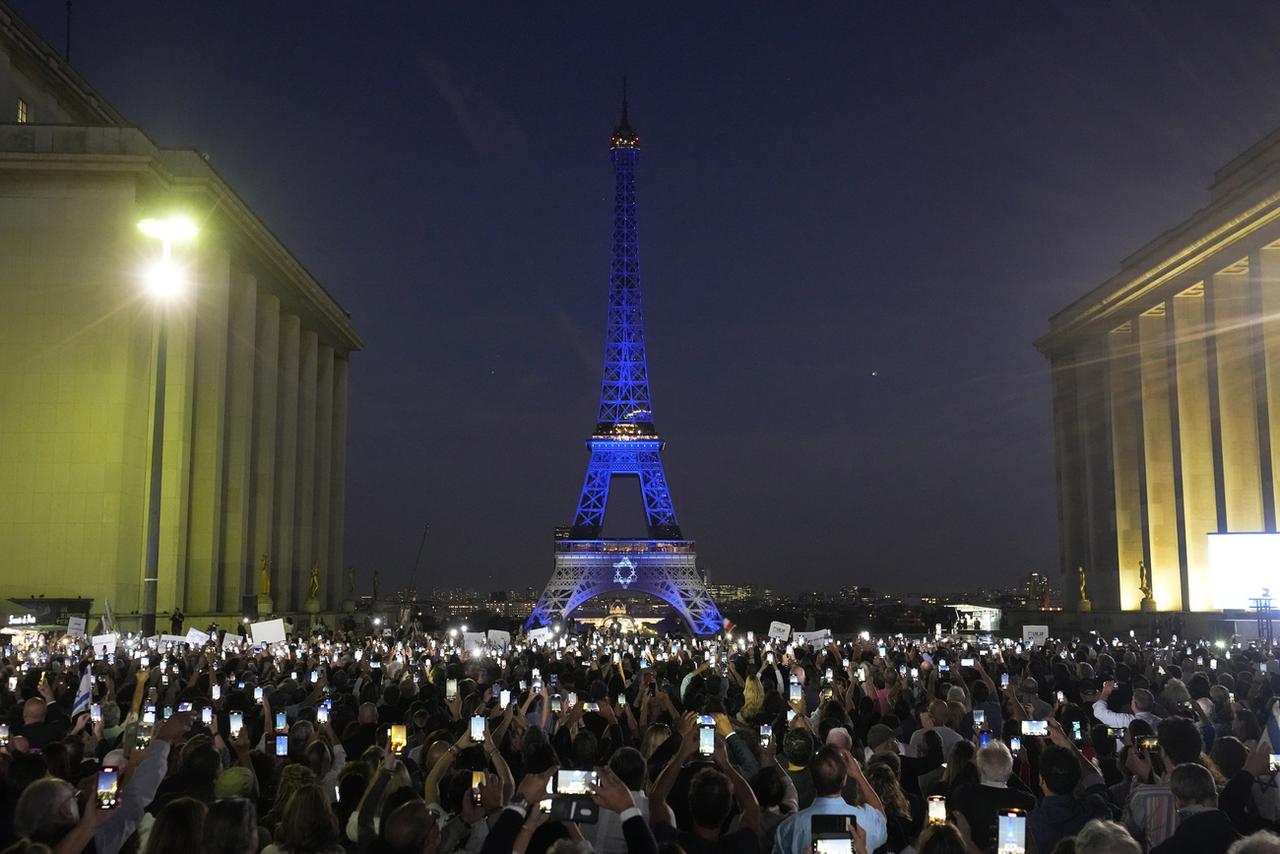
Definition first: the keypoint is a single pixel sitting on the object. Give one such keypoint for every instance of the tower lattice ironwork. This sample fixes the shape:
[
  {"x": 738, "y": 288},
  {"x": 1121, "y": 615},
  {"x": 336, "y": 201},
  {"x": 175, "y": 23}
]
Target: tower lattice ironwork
[{"x": 625, "y": 443}]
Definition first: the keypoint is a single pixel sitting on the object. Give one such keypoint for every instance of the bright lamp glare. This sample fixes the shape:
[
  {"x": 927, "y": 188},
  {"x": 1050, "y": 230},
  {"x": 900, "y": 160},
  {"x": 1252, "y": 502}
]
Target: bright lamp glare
[
  {"x": 164, "y": 279},
  {"x": 177, "y": 229}
]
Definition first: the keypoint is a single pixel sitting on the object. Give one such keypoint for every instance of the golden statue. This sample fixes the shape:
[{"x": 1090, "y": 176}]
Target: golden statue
[
  {"x": 1144, "y": 580},
  {"x": 314, "y": 592},
  {"x": 264, "y": 576},
  {"x": 1084, "y": 596}
]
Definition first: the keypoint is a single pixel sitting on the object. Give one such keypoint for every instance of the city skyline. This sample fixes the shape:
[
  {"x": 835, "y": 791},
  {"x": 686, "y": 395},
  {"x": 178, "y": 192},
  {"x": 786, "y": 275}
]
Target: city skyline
[{"x": 843, "y": 359}]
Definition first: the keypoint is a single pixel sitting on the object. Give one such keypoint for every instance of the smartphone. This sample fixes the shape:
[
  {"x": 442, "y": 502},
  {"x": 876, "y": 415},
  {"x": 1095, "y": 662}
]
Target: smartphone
[
  {"x": 282, "y": 721},
  {"x": 622, "y": 699},
  {"x": 315, "y": 676},
  {"x": 1148, "y": 742},
  {"x": 322, "y": 715},
  {"x": 1015, "y": 743},
  {"x": 217, "y": 692},
  {"x": 95, "y": 713},
  {"x": 791, "y": 715},
  {"x": 1274, "y": 764},
  {"x": 282, "y": 745},
  {"x": 504, "y": 698},
  {"x": 184, "y": 706},
  {"x": 4, "y": 735},
  {"x": 257, "y": 695},
  {"x": 769, "y": 657},
  {"x": 13, "y": 683},
  {"x": 1035, "y": 728},
  {"x": 397, "y": 738},
  {"x": 574, "y": 783},
  {"x": 477, "y": 728},
  {"x": 477, "y": 783},
  {"x": 1213, "y": 664},
  {"x": 979, "y": 718},
  {"x": 206, "y": 715},
  {"x": 966, "y": 662},
  {"x": 1077, "y": 731},
  {"x": 108, "y": 787},
  {"x": 1062, "y": 698},
  {"x": 149, "y": 715},
  {"x": 235, "y": 722},
  {"x": 984, "y": 738},
  {"x": 556, "y": 703},
  {"x": 1004, "y": 680},
  {"x": 796, "y": 691},
  {"x": 766, "y": 734},
  {"x": 1262, "y": 666},
  {"x": 706, "y": 735},
  {"x": 451, "y": 689},
  {"x": 937, "y": 809},
  {"x": 1117, "y": 732},
  {"x": 1012, "y": 830}
]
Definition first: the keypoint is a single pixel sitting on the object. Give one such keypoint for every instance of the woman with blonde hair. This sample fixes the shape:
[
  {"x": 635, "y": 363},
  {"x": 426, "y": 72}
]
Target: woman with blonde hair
[{"x": 752, "y": 700}]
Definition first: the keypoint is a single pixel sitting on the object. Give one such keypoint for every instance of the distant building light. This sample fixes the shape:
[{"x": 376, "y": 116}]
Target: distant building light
[{"x": 24, "y": 112}]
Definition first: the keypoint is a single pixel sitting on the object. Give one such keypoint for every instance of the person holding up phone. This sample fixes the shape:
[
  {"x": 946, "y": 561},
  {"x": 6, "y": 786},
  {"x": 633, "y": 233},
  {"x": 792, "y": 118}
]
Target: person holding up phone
[
  {"x": 832, "y": 769},
  {"x": 713, "y": 790},
  {"x": 1139, "y": 708}
]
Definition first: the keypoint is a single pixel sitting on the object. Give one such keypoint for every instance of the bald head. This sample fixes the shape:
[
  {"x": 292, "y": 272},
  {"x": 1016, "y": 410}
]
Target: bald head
[
  {"x": 34, "y": 710},
  {"x": 368, "y": 713}
]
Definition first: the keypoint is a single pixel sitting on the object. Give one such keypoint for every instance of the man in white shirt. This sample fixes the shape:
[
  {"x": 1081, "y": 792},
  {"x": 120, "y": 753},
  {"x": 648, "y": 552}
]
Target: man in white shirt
[
  {"x": 1141, "y": 706},
  {"x": 831, "y": 770},
  {"x": 607, "y": 836}
]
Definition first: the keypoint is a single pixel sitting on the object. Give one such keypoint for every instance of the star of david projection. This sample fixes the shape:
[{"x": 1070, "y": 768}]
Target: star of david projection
[{"x": 618, "y": 577}]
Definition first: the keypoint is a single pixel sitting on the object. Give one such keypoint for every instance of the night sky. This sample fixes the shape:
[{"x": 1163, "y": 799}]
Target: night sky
[{"x": 853, "y": 226}]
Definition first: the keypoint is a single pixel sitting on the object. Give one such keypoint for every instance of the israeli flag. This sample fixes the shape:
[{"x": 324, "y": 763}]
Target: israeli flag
[{"x": 83, "y": 694}]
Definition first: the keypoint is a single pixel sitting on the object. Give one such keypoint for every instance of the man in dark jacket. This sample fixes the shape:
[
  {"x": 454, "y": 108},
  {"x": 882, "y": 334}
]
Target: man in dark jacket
[
  {"x": 1061, "y": 814},
  {"x": 1202, "y": 827}
]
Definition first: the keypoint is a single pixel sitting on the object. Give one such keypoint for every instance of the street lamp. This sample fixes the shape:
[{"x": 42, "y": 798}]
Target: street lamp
[{"x": 164, "y": 280}]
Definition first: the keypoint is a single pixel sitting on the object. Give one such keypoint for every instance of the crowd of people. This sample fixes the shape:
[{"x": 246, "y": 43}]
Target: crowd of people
[{"x": 399, "y": 744}]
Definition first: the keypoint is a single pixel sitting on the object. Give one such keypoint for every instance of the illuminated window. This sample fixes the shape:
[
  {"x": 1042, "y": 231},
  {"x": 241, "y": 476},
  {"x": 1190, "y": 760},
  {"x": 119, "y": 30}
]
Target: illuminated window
[{"x": 24, "y": 112}]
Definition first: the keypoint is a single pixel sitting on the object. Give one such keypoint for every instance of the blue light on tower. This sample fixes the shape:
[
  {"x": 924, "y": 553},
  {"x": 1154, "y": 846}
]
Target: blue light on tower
[{"x": 625, "y": 442}]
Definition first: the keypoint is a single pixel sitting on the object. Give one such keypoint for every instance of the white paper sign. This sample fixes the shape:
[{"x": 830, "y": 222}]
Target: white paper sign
[
  {"x": 471, "y": 640},
  {"x": 231, "y": 640},
  {"x": 540, "y": 635},
  {"x": 780, "y": 631},
  {"x": 267, "y": 632},
  {"x": 197, "y": 638},
  {"x": 75, "y": 626},
  {"x": 1035, "y": 635},
  {"x": 164, "y": 639},
  {"x": 499, "y": 638},
  {"x": 103, "y": 644},
  {"x": 819, "y": 636}
]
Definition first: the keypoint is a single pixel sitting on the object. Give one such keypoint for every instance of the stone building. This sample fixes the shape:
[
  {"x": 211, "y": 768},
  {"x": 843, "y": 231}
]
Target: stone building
[
  {"x": 255, "y": 420},
  {"x": 1166, "y": 406}
]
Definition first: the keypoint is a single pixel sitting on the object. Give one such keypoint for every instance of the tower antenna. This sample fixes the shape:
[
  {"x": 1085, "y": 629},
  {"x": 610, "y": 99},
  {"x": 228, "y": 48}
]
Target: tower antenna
[{"x": 66, "y": 51}]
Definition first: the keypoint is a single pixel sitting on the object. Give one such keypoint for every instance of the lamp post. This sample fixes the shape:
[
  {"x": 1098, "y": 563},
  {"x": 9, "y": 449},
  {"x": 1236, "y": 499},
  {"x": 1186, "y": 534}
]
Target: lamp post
[{"x": 164, "y": 280}]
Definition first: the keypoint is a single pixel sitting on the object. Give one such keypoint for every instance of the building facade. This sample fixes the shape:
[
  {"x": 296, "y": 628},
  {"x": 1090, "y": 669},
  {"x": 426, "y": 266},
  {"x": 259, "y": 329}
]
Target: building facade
[
  {"x": 1166, "y": 407},
  {"x": 256, "y": 379}
]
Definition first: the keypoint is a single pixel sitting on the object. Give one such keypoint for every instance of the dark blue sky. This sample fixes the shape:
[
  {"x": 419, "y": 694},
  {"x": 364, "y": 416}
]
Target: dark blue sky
[{"x": 905, "y": 189}]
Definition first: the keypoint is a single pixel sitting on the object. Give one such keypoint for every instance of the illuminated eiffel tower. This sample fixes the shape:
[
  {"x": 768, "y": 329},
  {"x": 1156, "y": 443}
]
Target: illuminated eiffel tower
[{"x": 626, "y": 443}]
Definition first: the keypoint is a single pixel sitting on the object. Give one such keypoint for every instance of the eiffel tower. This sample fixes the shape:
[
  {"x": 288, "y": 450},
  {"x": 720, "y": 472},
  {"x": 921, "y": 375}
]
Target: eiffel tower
[{"x": 626, "y": 443}]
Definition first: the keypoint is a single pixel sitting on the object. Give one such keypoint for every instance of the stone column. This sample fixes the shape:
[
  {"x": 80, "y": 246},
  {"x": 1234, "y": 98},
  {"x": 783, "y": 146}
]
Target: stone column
[
  {"x": 241, "y": 337},
  {"x": 205, "y": 542},
  {"x": 1237, "y": 407},
  {"x": 304, "y": 512},
  {"x": 1269, "y": 296},
  {"x": 1158, "y": 446},
  {"x": 284, "y": 567},
  {"x": 1196, "y": 442},
  {"x": 266, "y": 383},
  {"x": 1094, "y": 425},
  {"x": 322, "y": 509},
  {"x": 338, "y": 484},
  {"x": 1126, "y": 443}
]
